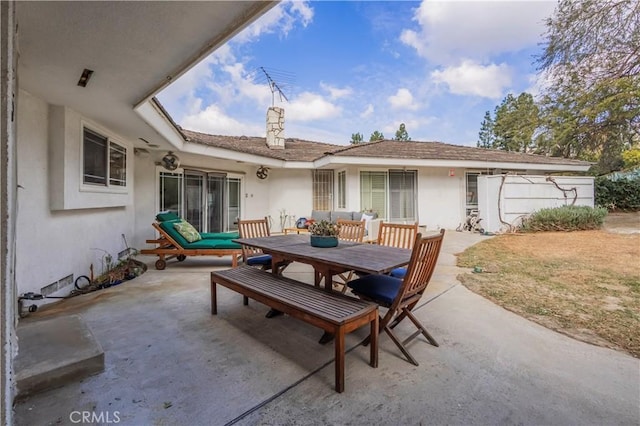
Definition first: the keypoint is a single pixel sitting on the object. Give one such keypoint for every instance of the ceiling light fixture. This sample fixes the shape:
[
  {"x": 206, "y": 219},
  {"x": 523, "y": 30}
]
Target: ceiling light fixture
[{"x": 84, "y": 78}]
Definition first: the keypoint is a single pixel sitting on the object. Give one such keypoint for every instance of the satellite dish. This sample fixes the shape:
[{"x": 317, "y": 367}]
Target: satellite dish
[
  {"x": 262, "y": 172},
  {"x": 170, "y": 161}
]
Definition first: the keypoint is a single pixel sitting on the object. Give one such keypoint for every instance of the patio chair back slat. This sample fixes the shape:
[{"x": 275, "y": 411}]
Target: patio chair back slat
[
  {"x": 351, "y": 230},
  {"x": 252, "y": 228},
  {"x": 397, "y": 235}
]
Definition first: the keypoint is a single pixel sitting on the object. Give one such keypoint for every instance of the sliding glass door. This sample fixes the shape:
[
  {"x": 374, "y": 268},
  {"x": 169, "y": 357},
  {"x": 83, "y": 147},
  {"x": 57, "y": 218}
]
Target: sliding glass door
[
  {"x": 391, "y": 194},
  {"x": 209, "y": 201}
]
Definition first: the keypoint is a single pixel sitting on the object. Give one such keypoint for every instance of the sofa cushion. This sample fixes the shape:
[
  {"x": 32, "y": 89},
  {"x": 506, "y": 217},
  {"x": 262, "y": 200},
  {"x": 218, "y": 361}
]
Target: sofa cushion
[
  {"x": 341, "y": 215},
  {"x": 319, "y": 215}
]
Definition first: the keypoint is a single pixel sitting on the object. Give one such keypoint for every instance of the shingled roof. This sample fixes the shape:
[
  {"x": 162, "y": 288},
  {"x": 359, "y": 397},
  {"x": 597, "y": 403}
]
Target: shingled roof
[
  {"x": 443, "y": 151},
  {"x": 303, "y": 150},
  {"x": 294, "y": 149}
]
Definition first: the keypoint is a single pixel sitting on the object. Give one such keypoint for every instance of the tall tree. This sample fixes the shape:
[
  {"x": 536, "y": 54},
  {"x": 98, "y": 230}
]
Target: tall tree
[
  {"x": 591, "y": 55},
  {"x": 593, "y": 38},
  {"x": 516, "y": 120},
  {"x": 401, "y": 133},
  {"x": 356, "y": 138},
  {"x": 376, "y": 136},
  {"x": 486, "y": 136}
]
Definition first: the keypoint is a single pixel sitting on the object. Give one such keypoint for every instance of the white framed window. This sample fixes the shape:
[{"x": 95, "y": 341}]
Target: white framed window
[
  {"x": 342, "y": 189},
  {"x": 322, "y": 189},
  {"x": 104, "y": 162}
]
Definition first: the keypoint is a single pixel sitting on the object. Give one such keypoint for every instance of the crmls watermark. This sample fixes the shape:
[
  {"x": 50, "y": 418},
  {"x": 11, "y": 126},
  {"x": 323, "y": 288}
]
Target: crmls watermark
[{"x": 101, "y": 417}]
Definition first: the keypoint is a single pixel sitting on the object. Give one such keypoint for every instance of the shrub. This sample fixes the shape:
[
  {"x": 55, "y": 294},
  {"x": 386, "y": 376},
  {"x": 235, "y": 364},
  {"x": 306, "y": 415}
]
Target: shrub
[
  {"x": 620, "y": 194},
  {"x": 567, "y": 218}
]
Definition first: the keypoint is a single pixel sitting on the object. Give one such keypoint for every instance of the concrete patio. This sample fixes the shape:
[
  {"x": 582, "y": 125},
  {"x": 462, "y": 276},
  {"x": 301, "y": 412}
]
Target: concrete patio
[{"x": 168, "y": 361}]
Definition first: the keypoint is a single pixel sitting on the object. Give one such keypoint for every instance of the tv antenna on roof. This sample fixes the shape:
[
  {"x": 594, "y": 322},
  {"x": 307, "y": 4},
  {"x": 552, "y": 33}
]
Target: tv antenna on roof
[{"x": 277, "y": 81}]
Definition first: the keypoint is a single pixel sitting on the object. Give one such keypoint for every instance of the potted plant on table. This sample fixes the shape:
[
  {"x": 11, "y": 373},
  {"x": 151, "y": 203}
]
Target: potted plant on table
[{"x": 324, "y": 234}]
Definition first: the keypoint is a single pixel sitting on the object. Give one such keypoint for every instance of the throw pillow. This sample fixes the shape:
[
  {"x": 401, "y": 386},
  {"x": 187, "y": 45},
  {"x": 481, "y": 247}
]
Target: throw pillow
[
  {"x": 187, "y": 231},
  {"x": 367, "y": 217}
]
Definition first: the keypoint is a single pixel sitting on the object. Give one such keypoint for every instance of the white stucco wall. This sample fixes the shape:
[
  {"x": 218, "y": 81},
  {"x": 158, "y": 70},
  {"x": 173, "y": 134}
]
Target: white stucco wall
[
  {"x": 8, "y": 201},
  {"x": 291, "y": 191},
  {"x": 53, "y": 244},
  {"x": 440, "y": 201},
  {"x": 523, "y": 195}
]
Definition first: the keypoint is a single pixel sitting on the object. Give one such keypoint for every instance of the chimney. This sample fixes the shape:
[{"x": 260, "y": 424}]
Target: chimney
[{"x": 275, "y": 128}]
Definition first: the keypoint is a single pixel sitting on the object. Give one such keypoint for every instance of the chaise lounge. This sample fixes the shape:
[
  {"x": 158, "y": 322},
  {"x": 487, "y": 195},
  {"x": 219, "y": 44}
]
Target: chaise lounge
[{"x": 178, "y": 239}]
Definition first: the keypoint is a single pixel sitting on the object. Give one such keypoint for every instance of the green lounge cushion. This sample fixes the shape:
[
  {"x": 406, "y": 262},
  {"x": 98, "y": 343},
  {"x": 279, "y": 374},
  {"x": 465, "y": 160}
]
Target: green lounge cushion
[
  {"x": 219, "y": 235},
  {"x": 165, "y": 216},
  {"x": 173, "y": 233},
  {"x": 187, "y": 230},
  {"x": 213, "y": 244}
]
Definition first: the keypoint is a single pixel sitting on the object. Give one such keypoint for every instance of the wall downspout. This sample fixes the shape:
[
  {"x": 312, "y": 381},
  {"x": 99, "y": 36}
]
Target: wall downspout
[{"x": 8, "y": 207}]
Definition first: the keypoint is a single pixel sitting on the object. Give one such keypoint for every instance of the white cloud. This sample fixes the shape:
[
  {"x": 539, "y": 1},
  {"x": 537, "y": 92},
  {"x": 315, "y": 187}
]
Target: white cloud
[
  {"x": 310, "y": 106},
  {"x": 403, "y": 99},
  {"x": 476, "y": 29},
  {"x": 470, "y": 78},
  {"x": 367, "y": 112},
  {"x": 280, "y": 19},
  {"x": 334, "y": 92},
  {"x": 214, "y": 121}
]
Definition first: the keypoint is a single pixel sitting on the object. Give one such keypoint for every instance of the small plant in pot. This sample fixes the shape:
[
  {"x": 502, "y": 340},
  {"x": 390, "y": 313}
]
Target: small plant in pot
[{"x": 324, "y": 234}]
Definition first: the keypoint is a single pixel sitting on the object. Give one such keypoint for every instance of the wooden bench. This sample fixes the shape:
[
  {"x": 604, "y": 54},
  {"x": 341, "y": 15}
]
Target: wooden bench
[{"x": 333, "y": 312}]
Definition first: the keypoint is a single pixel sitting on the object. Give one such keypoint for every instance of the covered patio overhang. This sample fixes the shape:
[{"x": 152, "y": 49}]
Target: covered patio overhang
[{"x": 135, "y": 49}]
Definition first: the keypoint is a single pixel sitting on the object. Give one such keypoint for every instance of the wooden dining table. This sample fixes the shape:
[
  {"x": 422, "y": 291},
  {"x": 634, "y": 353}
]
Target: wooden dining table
[{"x": 330, "y": 261}]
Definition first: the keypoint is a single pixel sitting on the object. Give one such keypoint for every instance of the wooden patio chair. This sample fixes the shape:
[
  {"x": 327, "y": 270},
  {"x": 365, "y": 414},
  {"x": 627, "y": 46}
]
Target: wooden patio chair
[
  {"x": 397, "y": 235},
  {"x": 400, "y": 296},
  {"x": 256, "y": 228},
  {"x": 350, "y": 230}
]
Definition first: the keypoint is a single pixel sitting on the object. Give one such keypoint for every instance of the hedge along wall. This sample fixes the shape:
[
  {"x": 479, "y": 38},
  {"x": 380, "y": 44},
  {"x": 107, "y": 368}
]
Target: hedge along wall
[{"x": 621, "y": 193}]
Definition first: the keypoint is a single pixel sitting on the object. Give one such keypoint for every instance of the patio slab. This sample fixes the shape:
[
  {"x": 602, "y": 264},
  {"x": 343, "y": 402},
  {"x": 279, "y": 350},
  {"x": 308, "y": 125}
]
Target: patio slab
[
  {"x": 168, "y": 361},
  {"x": 54, "y": 352}
]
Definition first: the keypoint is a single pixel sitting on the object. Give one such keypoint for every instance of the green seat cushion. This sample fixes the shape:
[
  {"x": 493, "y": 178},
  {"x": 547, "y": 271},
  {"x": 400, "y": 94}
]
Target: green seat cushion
[
  {"x": 213, "y": 244},
  {"x": 165, "y": 216},
  {"x": 173, "y": 233},
  {"x": 219, "y": 235}
]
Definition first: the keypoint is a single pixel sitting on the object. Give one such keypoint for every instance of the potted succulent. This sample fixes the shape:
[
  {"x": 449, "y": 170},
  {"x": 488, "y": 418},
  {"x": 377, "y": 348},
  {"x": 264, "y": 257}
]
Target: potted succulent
[{"x": 324, "y": 234}]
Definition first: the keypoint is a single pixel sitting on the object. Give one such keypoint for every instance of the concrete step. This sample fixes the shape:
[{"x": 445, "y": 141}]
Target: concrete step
[{"x": 53, "y": 352}]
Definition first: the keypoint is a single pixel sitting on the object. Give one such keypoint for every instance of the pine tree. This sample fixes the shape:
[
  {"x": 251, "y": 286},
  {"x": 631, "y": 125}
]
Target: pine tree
[
  {"x": 401, "y": 134},
  {"x": 486, "y": 137},
  {"x": 356, "y": 138},
  {"x": 376, "y": 136}
]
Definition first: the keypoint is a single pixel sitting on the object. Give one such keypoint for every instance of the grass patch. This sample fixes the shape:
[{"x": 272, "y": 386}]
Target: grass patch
[{"x": 585, "y": 284}]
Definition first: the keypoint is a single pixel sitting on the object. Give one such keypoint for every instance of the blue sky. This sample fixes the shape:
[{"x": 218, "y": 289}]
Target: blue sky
[{"x": 349, "y": 67}]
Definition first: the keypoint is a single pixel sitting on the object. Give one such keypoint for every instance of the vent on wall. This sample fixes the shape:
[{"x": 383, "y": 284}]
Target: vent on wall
[{"x": 57, "y": 285}]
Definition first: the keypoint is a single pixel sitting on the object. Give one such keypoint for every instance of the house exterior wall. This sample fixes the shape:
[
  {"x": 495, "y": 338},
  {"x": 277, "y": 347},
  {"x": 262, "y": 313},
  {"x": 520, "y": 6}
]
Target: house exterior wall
[
  {"x": 54, "y": 244},
  {"x": 523, "y": 195},
  {"x": 291, "y": 191},
  {"x": 8, "y": 209}
]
